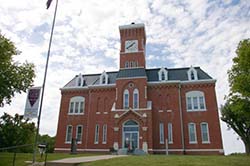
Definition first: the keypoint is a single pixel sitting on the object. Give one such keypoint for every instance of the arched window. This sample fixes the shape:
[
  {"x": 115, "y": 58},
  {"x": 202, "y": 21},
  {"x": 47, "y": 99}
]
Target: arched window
[
  {"x": 126, "y": 99},
  {"x": 77, "y": 105},
  {"x": 162, "y": 76},
  {"x": 195, "y": 101},
  {"x": 126, "y": 64},
  {"x": 136, "y": 98},
  {"x": 192, "y": 133},
  {"x": 204, "y": 133}
]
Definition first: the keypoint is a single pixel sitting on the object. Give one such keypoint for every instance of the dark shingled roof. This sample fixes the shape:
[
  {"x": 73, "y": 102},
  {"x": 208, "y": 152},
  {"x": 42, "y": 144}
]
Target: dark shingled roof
[
  {"x": 176, "y": 74},
  {"x": 130, "y": 73},
  {"x": 151, "y": 74}
]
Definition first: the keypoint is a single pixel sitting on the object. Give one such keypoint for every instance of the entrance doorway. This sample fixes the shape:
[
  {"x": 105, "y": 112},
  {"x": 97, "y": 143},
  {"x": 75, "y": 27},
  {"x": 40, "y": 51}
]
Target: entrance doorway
[{"x": 130, "y": 135}]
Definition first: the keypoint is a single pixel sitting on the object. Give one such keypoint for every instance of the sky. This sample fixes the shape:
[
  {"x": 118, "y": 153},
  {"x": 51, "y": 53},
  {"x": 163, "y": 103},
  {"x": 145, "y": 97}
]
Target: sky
[{"x": 180, "y": 33}]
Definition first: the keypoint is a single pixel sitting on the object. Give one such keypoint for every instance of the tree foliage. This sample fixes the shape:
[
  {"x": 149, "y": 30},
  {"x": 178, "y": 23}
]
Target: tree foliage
[
  {"x": 15, "y": 130},
  {"x": 49, "y": 141},
  {"x": 14, "y": 77},
  {"x": 239, "y": 75},
  {"x": 236, "y": 111}
]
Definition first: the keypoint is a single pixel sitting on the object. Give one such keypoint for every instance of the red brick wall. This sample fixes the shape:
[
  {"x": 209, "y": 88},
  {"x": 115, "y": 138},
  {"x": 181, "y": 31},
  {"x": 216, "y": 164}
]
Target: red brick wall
[{"x": 210, "y": 116}]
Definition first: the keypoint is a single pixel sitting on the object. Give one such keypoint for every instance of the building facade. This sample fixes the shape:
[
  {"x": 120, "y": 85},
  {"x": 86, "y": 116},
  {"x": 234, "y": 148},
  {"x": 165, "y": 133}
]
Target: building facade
[{"x": 138, "y": 108}]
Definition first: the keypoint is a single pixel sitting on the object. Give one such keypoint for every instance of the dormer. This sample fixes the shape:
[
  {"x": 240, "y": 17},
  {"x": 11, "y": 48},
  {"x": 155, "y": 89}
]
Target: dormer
[
  {"x": 192, "y": 74},
  {"x": 80, "y": 80},
  {"x": 163, "y": 74},
  {"x": 104, "y": 78}
]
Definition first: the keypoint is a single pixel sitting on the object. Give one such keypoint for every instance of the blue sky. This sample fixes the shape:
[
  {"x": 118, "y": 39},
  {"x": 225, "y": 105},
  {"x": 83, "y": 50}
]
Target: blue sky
[{"x": 180, "y": 33}]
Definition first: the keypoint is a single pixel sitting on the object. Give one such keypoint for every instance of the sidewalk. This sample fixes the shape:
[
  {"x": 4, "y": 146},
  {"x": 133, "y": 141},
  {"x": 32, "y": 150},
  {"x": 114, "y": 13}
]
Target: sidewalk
[{"x": 77, "y": 160}]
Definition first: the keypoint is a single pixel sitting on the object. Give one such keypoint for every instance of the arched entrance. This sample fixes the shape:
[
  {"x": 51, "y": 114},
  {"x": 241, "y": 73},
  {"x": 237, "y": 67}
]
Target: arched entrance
[{"x": 130, "y": 135}]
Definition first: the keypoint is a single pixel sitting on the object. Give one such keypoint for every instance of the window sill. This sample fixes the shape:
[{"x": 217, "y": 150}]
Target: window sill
[
  {"x": 193, "y": 142},
  {"x": 206, "y": 142},
  {"x": 75, "y": 113},
  {"x": 96, "y": 143},
  {"x": 170, "y": 142},
  {"x": 197, "y": 110},
  {"x": 161, "y": 142},
  {"x": 67, "y": 142},
  {"x": 104, "y": 142}
]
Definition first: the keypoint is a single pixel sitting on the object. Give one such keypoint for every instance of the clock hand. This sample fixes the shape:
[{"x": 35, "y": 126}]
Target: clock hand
[{"x": 130, "y": 45}]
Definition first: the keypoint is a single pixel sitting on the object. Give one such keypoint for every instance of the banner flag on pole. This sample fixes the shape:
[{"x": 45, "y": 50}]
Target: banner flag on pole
[
  {"x": 48, "y": 3},
  {"x": 32, "y": 102}
]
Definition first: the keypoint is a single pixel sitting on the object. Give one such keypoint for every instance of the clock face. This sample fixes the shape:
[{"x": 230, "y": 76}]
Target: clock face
[{"x": 131, "y": 46}]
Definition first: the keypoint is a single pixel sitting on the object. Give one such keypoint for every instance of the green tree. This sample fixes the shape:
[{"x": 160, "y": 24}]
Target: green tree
[
  {"x": 239, "y": 75},
  {"x": 236, "y": 111},
  {"x": 15, "y": 130},
  {"x": 14, "y": 77},
  {"x": 49, "y": 141}
]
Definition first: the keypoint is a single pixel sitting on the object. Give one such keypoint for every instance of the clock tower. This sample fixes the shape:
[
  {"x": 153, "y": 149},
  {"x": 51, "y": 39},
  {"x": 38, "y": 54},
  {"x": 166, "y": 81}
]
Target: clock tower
[{"x": 133, "y": 40}]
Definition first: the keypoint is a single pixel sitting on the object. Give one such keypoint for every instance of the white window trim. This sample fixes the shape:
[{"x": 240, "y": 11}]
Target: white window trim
[
  {"x": 104, "y": 133},
  {"x": 78, "y": 99},
  {"x": 134, "y": 92},
  {"x": 161, "y": 133},
  {"x": 66, "y": 138},
  {"x": 192, "y": 69},
  {"x": 160, "y": 74},
  {"x": 170, "y": 125},
  {"x": 79, "y": 142},
  {"x": 96, "y": 141},
  {"x": 124, "y": 93},
  {"x": 195, "y": 141},
  {"x": 208, "y": 141},
  {"x": 79, "y": 78},
  {"x": 197, "y": 94},
  {"x": 104, "y": 74}
]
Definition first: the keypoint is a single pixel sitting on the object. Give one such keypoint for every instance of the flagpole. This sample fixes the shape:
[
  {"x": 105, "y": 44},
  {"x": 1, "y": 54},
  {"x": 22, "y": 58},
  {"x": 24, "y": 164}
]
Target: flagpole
[{"x": 44, "y": 81}]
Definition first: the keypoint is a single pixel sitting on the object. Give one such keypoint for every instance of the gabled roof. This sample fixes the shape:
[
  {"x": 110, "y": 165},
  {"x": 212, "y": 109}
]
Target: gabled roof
[{"x": 174, "y": 74}]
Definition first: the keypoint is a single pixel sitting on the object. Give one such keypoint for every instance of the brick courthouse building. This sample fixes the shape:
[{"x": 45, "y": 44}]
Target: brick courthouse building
[{"x": 139, "y": 108}]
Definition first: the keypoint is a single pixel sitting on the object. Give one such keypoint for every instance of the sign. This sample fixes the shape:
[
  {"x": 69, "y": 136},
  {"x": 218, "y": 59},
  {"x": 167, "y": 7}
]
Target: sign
[{"x": 32, "y": 102}]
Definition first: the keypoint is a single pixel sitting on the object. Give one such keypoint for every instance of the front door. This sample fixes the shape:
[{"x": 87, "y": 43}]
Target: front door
[
  {"x": 130, "y": 140},
  {"x": 131, "y": 135}
]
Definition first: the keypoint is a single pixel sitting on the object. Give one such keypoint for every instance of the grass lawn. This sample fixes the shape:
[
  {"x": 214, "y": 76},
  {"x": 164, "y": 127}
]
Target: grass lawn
[
  {"x": 148, "y": 160},
  {"x": 174, "y": 160},
  {"x": 6, "y": 159}
]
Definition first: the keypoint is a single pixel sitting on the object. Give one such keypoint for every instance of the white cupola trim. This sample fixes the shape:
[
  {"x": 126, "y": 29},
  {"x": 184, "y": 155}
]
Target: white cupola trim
[
  {"x": 192, "y": 74},
  {"x": 163, "y": 74},
  {"x": 79, "y": 80},
  {"x": 104, "y": 78}
]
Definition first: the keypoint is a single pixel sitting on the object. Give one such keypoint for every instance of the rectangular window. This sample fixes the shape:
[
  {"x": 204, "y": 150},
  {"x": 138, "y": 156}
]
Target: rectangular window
[
  {"x": 189, "y": 103},
  {"x": 69, "y": 134},
  {"x": 195, "y": 102},
  {"x": 71, "y": 109},
  {"x": 170, "y": 133},
  {"x": 96, "y": 134},
  {"x": 202, "y": 104},
  {"x": 192, "y": 133},
  {"x": 79, "y": 134},
  {"x": 204, "y": 133},
  {"x": 104, "y": 134},
  {"x": 161, "y": 133},
  {"x": 81, "y": 106},
  {"x": 76, "y": 107}
]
